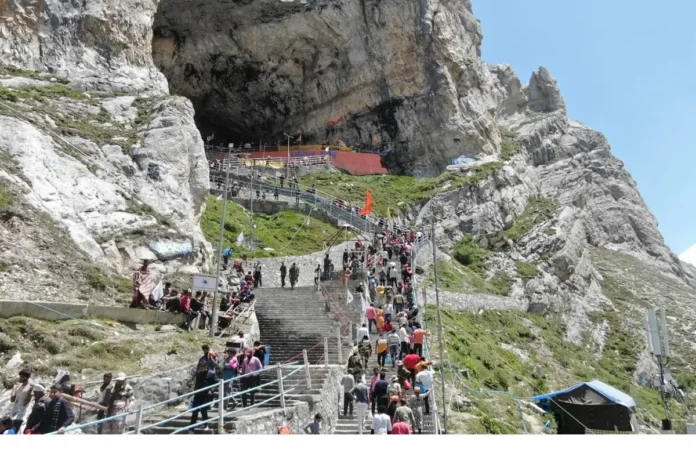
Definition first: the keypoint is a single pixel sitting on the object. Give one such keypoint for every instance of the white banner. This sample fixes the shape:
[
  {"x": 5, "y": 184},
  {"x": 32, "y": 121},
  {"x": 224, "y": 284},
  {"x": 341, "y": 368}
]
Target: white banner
[{"x": 204, "y": 282}]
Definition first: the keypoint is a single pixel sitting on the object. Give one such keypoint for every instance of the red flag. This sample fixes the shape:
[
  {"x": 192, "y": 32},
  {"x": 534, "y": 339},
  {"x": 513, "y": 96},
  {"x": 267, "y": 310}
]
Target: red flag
[{"x": 368, "y": 204}]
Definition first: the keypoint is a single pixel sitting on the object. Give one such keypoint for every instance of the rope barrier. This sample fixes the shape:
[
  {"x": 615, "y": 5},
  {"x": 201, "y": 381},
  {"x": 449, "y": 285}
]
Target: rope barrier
[{"x": 57, "y": 312}]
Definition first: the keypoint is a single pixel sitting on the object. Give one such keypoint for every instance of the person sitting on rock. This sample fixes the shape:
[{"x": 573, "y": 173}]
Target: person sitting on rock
[{"x": 247, "y": 295}]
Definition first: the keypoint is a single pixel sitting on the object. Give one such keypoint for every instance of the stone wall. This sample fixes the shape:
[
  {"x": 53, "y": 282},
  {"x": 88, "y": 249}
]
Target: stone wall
[
  {"x": 62, "y": 311},
  {"x": 297, "y": 415},
  {"x": 474, "y": 302}
]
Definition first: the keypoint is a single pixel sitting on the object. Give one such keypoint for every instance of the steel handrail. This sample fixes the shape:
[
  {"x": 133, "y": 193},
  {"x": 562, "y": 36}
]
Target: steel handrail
[
  {"x": 318, "y": 194},
  {"x": 162, "y": 403},
  {"x": 259, "y": 387},
  {"x": 360, "y": 222}
]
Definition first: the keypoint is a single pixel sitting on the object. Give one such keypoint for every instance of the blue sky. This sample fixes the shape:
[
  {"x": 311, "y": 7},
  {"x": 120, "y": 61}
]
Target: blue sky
[{"x": 625, "y": 68}]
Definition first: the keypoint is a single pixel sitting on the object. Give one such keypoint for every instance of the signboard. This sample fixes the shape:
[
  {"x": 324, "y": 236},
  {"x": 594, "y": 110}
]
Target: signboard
[{"x": 204, "y": 282}]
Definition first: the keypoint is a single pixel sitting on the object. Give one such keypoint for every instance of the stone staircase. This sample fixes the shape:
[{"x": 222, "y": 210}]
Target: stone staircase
[
  {"x": 348, "y": 425},
  {"x": 293, "y": 320}
]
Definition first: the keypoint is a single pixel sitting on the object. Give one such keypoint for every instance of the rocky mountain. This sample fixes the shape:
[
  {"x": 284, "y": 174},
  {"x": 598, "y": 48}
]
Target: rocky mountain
[{"x": 92, "y": 140}]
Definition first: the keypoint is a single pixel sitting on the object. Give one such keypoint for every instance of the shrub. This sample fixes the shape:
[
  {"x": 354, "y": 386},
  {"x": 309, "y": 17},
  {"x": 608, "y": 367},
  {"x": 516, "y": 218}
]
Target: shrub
[
  {"x": 537, "y": 211},
  {"x": 491, "y": 425},
  {"x": 500, "y": 284},
  {"x": 527, "y": 271},
  {"x": 509, "y": 146},
  {"x": 96, "y": 278},
  {"x": 6, "y": 343},
  {"x": 470, "y": 254}
]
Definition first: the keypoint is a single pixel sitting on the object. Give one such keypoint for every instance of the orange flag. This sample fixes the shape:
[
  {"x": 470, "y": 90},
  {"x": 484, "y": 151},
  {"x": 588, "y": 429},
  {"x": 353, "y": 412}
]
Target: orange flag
[{"x": 368, "y": 204}]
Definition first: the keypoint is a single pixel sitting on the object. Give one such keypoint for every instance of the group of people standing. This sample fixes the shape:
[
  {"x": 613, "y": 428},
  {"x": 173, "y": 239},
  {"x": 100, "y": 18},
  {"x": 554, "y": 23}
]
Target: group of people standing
[{"x": 36, "y": 410}]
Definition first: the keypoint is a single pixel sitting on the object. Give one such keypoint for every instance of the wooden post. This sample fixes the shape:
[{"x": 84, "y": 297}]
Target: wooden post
[
  {"x": 279, "y": 370},
  {"x": 307, "y": 373},
  {"x": 340, "y": 349},
  {"x": 221, "y": 407},
  {"x": 326, "y": 351},
  {"x": 139, "y": 419}
]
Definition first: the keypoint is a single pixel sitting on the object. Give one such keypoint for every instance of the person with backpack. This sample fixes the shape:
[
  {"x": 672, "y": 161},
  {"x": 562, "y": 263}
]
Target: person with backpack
[
  {"x": 394, "y": 343},
  {"x": 365, "y": 350}
]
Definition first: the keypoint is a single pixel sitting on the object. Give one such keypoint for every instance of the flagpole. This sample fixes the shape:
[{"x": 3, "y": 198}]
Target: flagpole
[{"x": 214, "y": 319}]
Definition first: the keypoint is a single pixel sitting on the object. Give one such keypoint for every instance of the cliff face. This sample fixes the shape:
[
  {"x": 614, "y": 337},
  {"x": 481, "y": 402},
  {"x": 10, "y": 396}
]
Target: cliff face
[
  {"x": 99, "y": 44},
  {"x": 406, "y": 76},
  {"x": 90, "y": 138}
]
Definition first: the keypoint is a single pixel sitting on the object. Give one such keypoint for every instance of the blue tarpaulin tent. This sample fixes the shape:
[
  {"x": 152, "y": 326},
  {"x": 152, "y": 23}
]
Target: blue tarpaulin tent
[{"x": 590, "y": 405}]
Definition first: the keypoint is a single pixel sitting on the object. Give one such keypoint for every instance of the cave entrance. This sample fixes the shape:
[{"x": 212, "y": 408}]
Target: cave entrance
[{"x": 242, "y": 93}]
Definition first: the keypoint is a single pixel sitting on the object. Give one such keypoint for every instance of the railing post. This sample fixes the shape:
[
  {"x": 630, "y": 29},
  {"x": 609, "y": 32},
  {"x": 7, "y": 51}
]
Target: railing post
[
  {"x": 307, "y": 373},
  {"x": 280, "y": 385},
  {"x": 340, "y": 349},
  {"x": 350, "y": 331},
  {"x": 138, "y": 419},
  {"x": 326, "y": 351},
  {"x": 221, "y": 407}
]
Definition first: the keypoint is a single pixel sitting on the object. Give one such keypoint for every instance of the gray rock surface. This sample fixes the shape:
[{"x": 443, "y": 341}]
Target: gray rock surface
[
  {"x": 98, "y": 192},
  {"x": 97, "y": 44}
]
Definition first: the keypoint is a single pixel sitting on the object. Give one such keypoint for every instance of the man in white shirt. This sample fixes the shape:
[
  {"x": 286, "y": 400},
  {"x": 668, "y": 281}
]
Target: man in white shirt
[
  {"x": 363, "y": 332},
  {"x": 425, "y": 378},
  {"x": 381, "y": 423},
  {"x": 388, "y": 310},
  {"x": 403, "y": 339}
]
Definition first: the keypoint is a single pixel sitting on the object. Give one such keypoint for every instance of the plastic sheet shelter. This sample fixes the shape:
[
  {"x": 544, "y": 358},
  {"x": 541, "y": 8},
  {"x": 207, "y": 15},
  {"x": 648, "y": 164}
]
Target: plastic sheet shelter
[{"x": 590, "y": 405}]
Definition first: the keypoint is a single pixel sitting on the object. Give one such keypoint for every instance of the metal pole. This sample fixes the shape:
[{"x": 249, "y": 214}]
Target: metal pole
[
  {"x": 439, "y": 321},
  {"x": 279, "y": 371},
  {"x": 221, "y": 407},
  {"x": 139, "y": 420},
  {"x": 214, "y": 321},
  {"x": 662, "y": 393},
  {"x": 340, "y": 349},
  {"x": 287, "y": 163},
  {"x": 326, "y": 351},
  {"x": 251, "y": 207},
  {"x": 350, "y": 330},
  {"x": 307, "y": 373}
]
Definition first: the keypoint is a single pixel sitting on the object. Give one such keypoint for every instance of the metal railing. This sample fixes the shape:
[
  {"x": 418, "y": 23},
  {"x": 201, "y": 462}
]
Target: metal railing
[
  {"x": 139, "y": 413},
  {"x": 367, "y": 224},
  {"x": 420, "y": 242},
  {"x": 268, "y": 162}
]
